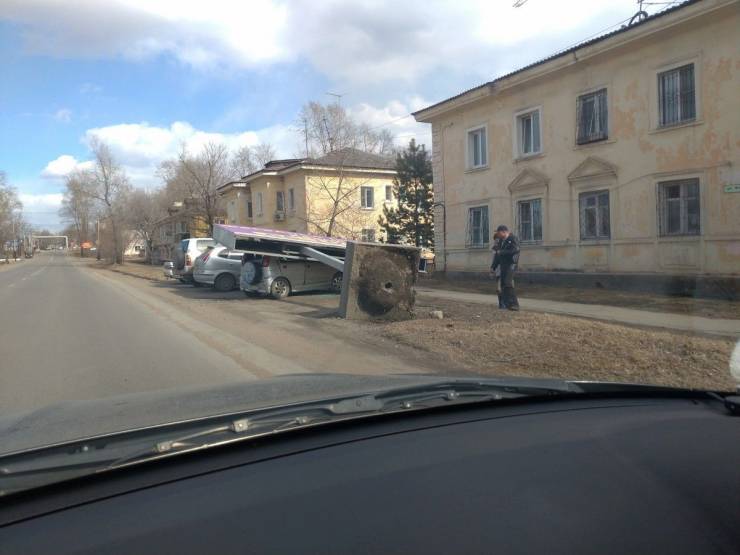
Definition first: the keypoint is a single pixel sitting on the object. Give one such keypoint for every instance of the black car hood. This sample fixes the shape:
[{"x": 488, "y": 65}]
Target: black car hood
[{"x": 72, "y": 420}]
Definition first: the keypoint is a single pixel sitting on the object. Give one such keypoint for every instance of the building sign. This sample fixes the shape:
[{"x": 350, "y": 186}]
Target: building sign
[{"x": 732, "y": 188}]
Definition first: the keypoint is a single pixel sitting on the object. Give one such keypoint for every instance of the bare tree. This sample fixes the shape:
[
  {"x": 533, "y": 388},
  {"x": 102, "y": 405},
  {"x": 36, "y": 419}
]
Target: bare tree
[
  {"x": 142, "y": 212},
  {"x": 11, "y": 218},
  {"x": 249, "y": 159},
  {"x": 77, "y": 205},
  {"x": 202, "y": 174},
  {"x": 338, "y": 144},
  {"x": 109, "y": 187}
]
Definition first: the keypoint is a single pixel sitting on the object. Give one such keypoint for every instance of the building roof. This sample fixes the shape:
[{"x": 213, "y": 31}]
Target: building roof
[{"x": 590, "y": 42}]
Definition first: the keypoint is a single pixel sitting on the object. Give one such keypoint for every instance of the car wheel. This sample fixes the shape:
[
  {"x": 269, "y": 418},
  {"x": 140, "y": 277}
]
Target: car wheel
[
  {"x": 280, "y": 288},
  {"x": 224, "y": 282},
  {"x": 336, "y": 282}
]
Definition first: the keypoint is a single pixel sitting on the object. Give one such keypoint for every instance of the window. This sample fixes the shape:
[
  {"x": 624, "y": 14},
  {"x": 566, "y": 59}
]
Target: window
[
  {"x": 528, "y": 133},
  {"x": 291, "y": 199},
  {"x": 530, "y": 220},
  {"x": 279, "y": 201},
  {"x": 367, "y": 199},
  {"x": 676, "y": 95},
  {"x": 592, "y": 117},
  {"x": 594, "y": 208},
  {"x": 478, "y": 226},
  {"x": 368, "y": 235},
  {"x": 477, "y": 148},
  {"x": 249, "y": 209},
  {"x": 389, "y": 193},
  {"x": 259, "y": 204},
  {"x": 679, "y": 207}
]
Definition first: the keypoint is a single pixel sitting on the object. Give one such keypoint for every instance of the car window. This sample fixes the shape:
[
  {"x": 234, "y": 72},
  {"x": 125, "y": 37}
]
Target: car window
[
  {"x": 202, "y": 244},
  {"x": 184, "y": 245}
]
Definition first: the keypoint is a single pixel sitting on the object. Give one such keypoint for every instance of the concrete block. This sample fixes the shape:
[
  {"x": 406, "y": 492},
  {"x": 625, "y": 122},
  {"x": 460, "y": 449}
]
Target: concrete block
[{"x": 379, "y": 282}]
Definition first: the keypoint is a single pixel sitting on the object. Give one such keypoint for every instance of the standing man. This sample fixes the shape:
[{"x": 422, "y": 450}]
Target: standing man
[{"x": 507, "y": 259}]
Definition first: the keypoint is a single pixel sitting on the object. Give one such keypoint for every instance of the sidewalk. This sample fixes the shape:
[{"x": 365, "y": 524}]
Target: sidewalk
[{"x": 711, "y": 326}]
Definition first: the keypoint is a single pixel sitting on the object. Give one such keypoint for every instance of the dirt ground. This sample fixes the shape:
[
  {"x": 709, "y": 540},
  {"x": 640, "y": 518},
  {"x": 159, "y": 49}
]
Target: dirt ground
[
  {"x": 710, "y": 308},
  {"x": 495, "y": 342},
  {"x": 474, "y": 338}
]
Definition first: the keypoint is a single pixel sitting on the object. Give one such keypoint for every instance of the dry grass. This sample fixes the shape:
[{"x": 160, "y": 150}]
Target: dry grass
[{"x": 489, "y": 341}]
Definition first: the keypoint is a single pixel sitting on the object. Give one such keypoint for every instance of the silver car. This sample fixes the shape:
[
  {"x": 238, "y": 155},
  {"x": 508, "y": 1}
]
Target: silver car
[
  {"x": 219, "y": 267},
  {"x": 279, "y": 276}
]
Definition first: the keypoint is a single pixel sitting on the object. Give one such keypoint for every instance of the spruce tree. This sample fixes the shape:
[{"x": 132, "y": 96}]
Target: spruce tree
[{"x": 412, "y": 221}]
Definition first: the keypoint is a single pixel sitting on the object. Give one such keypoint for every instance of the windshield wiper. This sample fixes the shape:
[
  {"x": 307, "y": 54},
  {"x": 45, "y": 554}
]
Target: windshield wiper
[{"x": 37, "y": 467}]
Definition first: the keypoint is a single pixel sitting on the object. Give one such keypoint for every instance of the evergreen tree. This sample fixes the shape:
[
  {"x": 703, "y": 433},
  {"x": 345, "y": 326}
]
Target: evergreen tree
[{"x": 412, "y": 222}]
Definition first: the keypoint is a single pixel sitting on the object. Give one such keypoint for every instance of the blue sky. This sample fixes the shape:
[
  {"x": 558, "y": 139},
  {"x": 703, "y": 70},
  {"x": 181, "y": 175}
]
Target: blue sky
[{"x": 147, "y": 76}]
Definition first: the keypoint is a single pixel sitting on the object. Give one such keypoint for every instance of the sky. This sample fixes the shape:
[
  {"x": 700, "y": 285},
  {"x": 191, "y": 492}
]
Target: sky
[{"x": 148, "y": 76}]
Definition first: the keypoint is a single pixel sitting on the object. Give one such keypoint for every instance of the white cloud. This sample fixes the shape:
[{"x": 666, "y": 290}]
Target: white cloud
[
  {"x": 395, "y": 117},
  {"x": 90, "y": 88},
  {"x": 364, "y": 41},
  {"x": 62, "y": 166},
  {"x": 63, "y": 115}
]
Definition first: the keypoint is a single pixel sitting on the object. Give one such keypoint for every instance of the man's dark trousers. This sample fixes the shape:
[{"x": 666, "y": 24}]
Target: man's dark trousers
[{"x": 507, "y": 285}]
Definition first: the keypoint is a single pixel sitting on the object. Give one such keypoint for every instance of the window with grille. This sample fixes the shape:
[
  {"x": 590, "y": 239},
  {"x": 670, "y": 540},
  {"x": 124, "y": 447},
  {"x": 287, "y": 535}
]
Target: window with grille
[
  {"x": 291, "y": 199},
  {"x": 679, "y": 207},
  {"x": 594, "y": 215},
  {"x": 249, "y": 209},
  {"x": 676, "y": 95},
  {"x": 389, "y": 193},
  {"x": 368, "y": 235},
  {"x": 367, "y": 197},
  {"x": 528, "y": 133},
  {"x": 259, "y": 204},
  {"x": 477, "y": 235},
  {"x": 530, "y": 220},
  {"x": 279, "y": 201},
  {"x": 477, "y": 148},
  {"x": 592, "y": 117}
]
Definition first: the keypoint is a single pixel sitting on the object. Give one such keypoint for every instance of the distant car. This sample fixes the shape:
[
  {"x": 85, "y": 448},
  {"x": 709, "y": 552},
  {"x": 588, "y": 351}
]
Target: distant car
[
  {"x": 219, "y": 267},
  {"x": 168, "y": 269},
  {"x": 186, "y": 253},
  {"x": 279, "y": 276}
]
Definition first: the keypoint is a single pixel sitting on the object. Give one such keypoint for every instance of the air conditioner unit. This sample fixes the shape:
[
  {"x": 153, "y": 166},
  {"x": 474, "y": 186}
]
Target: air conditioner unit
[{"x": 279, "y": 216}]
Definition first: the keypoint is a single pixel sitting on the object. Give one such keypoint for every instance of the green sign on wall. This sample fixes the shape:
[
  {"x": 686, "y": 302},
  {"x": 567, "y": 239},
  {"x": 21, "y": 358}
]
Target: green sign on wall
[{"x": 732, "y": 188}]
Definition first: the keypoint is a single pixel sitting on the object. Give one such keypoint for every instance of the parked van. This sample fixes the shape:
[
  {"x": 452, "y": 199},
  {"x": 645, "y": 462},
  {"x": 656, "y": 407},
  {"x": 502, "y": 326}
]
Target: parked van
[
  {"x": 186, "y": 253},
  {"x": 279, "y": 276}
]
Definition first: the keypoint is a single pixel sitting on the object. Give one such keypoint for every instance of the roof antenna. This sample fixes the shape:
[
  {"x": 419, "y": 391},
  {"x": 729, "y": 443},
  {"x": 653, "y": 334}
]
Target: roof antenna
[{"x": 641, "y": 15}]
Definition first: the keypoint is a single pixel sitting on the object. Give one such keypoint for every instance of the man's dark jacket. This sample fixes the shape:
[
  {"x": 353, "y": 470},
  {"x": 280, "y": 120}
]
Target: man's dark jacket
[{"x": 508, "y": 254}]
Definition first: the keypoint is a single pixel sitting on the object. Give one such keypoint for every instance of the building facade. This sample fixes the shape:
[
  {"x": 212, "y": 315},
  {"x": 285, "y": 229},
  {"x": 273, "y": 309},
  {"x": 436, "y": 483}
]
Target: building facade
[
  {"x": 182, "y": 222},
  {"x": 618, "y": 155},
  {"x": 341, "y": 194}
]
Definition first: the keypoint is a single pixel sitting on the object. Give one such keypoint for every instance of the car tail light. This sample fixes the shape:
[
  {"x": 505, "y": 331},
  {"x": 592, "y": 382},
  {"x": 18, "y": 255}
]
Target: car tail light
[
  {"x": 265, "y": 261},
  {"x": 188, "y": 260}
]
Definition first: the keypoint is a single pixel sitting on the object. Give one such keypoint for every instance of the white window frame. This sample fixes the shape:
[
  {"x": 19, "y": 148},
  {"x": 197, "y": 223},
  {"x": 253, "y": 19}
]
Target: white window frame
[
  {"x": 279, "y": 199},
  {"x": 654, "y": 104},
  {"x": 681, "y": 119},
  {"x": 469, "y": 154},
  {"x": 529, "y": 201},
  {"x": 291, "y": 199},
  {"x": 517, "y": 135},
  {"x": 363, "y": 200},
  {"x": 389, "y": 193},
  {"x": 469, "y": 230},
  {"x": 367, "y": 235},
  {"x": 258, "y": 207},
  {"x": 594, "y": 193},
  {"x": 682, "y": 202}
]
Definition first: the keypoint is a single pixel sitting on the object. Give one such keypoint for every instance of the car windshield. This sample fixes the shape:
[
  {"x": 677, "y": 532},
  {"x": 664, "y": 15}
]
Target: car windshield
[{"x": 216, "y": 207}]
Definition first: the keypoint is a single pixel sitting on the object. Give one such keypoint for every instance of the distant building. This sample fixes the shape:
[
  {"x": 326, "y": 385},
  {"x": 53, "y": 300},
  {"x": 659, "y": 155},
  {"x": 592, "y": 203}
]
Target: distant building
[
  {"x": 345, "y": 190},
  {"x": 619, "y": 155},
  {"x": 183, "y": 221}
]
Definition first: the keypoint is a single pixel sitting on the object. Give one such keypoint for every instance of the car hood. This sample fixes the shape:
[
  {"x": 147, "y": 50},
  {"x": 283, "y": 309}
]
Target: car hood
[{"x": 73, "y": 420}]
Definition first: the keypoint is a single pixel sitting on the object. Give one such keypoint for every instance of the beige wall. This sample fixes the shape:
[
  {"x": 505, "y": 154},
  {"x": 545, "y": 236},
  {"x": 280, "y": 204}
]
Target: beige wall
[
  {"x": 629, "y": 164},
  {"x": 312, "y": 202}
]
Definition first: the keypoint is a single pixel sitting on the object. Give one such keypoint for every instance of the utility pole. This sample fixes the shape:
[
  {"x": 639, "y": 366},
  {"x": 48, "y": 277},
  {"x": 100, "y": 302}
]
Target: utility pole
[
  {"x": 338, "y": 96},
  {"x": 97, "y": 244}
]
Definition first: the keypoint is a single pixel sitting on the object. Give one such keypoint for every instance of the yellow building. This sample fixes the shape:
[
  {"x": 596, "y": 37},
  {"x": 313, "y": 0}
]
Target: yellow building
[
  {"x": 341, "y": 194},
  {"x": 620, "y": 155},
  {"x": 182, "y": 222}
]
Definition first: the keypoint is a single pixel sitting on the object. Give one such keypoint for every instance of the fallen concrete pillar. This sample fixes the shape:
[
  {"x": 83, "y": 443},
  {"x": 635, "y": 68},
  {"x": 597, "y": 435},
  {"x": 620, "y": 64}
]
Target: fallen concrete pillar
[{"x": 379, "y": 282}]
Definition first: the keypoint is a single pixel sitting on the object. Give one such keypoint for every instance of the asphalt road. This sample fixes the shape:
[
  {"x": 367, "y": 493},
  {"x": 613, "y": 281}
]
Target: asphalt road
[{"x": 66, "y": 333}]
